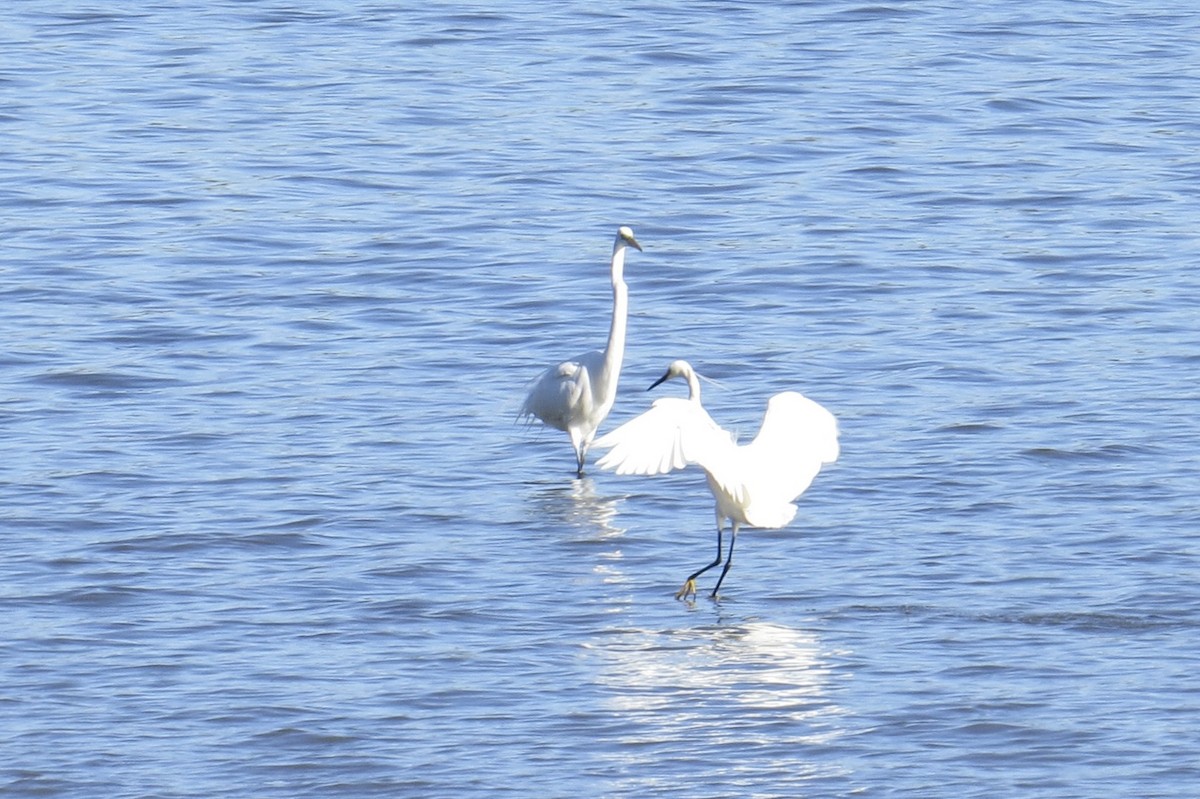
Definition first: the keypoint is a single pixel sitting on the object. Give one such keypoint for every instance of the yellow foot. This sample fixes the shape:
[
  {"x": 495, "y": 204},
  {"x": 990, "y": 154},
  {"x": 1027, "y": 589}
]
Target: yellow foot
[{"x": 688, "y": 588}]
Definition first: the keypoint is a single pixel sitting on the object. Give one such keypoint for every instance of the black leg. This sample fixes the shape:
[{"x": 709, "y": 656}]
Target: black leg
[
  {"x": 716, "y": 562},
  {"x": 728, "y": 560},
  {"x": 689, "y": 585}
]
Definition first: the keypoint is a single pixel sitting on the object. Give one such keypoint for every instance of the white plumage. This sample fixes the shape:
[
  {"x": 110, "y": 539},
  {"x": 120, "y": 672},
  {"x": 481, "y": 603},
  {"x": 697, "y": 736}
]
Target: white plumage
[
  {"x": 576, "y": 395},
  {"x": 754, "y": 484}
]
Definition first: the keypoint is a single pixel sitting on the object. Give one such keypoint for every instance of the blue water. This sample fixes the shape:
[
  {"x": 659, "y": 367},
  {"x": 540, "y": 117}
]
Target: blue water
[{"x": 274, "y": 278}]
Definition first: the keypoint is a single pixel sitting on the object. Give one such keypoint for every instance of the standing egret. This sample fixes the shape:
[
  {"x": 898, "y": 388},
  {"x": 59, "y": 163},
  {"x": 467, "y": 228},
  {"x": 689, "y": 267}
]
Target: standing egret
[
  {"x": 576, "y": 395},
  {"x": 754, "y": 484}
]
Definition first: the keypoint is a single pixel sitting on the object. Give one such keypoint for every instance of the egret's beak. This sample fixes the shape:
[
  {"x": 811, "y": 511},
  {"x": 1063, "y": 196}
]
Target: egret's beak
[
  {"x": 633, "y": 242},
  {"x": 662, "y": 379}
]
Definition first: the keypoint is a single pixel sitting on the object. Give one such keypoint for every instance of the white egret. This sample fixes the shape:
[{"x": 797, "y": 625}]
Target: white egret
[
  {"x": 576, "y": 395},
  {"x": 755, "y": 484}
]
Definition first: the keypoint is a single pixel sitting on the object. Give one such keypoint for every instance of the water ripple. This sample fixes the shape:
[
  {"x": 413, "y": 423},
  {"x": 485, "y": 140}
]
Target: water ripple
[{"x": 274, "y": 280}]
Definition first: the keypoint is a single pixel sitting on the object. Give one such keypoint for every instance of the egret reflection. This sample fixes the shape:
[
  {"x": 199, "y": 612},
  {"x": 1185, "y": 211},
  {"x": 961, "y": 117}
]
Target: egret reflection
[
  {"x": 588, "y": 519},
  {"x": 579, "y": 507},
  {"x": 749, "y": 698},
  {"x": 694, "y": 679}
]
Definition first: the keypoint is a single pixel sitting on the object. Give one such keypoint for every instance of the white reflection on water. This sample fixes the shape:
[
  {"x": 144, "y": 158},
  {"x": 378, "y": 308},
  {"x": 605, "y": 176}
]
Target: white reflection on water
[
  {"x": 748, "y": 698},
  {"x": 590, "y": 519},
  {"x": 756, "y": 665},
  {"x": 577, "y": 506}
]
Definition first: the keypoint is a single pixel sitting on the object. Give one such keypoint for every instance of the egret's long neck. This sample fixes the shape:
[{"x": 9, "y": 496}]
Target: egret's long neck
[
  {"x": 614, "y": 352},
  {"x": 693, "y": 386}
]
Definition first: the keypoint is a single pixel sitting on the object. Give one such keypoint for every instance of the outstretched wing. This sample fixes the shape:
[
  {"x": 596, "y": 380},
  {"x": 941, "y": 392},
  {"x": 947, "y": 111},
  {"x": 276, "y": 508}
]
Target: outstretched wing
[
  {"x": 672, "y": 434},
  {"x": 797, "y": 437},
  {"x": 801, "y": 426}
]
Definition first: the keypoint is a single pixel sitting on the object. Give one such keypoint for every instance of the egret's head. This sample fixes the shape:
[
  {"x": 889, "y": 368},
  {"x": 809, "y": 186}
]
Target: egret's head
[
  {"x": 676, "y": 369},
  {"x": 626, "y": 234}
]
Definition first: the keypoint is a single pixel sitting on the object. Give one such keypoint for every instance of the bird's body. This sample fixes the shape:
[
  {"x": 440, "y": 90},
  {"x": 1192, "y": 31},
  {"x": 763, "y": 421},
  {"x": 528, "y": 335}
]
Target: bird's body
[
  {"x": 754, "y": 484},
  {"x": 576, "y": 395}
]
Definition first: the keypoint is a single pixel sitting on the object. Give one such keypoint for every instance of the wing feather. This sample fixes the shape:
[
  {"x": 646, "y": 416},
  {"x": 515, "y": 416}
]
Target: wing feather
[
  {"x": 675, "y": 432},
  {"x": 797, "y": 437}
]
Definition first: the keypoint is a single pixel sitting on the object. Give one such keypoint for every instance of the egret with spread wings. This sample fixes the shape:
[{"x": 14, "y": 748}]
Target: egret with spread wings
[{"x": 753, "y": 484}]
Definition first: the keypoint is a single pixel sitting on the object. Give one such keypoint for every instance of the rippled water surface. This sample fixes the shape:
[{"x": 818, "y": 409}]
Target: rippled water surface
[{"x": 275, "y": 277}]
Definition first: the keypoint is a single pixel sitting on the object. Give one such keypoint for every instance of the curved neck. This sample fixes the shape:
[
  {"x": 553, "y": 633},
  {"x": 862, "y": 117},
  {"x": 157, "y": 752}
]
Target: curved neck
[
  {"x": 693, "y": 386},
  {"x": 614, "y": 351}
]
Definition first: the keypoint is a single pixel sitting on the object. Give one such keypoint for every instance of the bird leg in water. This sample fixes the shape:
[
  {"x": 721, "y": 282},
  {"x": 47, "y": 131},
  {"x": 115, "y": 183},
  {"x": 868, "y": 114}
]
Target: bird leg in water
[
  {"x": 728, "y": 560},
  {"x": 689, "y": 586},
  {"x": 580, "y": 445}
]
